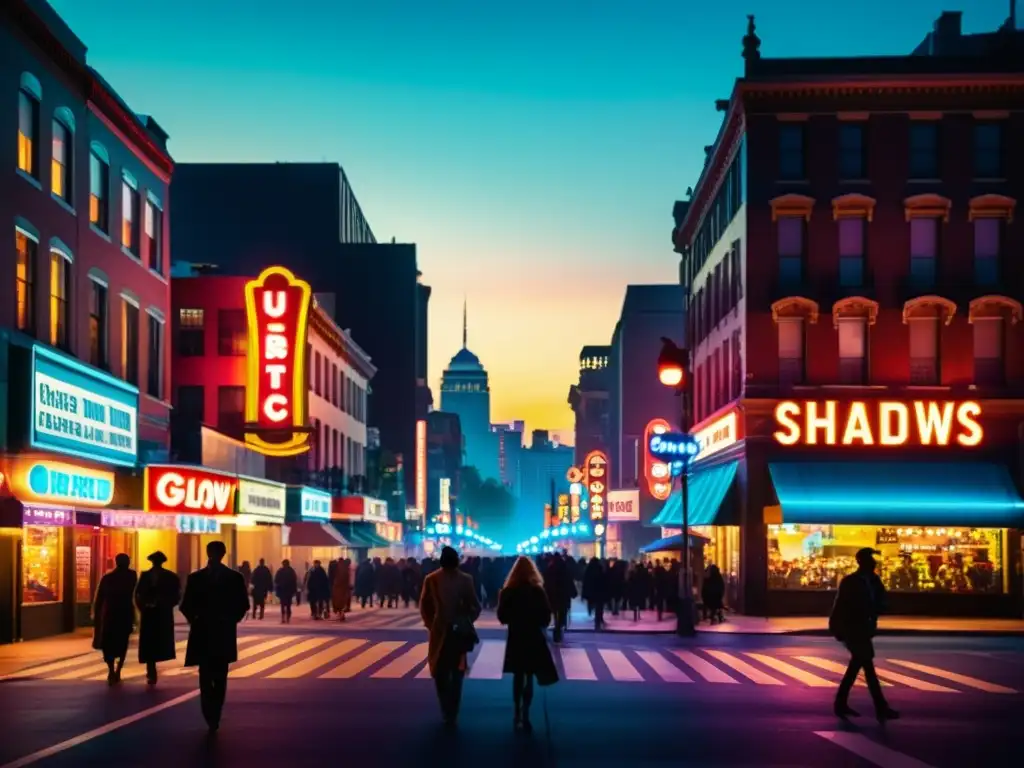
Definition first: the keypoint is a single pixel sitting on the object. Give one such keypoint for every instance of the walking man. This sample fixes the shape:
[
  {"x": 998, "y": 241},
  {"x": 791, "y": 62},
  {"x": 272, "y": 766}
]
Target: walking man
[
  {"x": 156, "y": 597},
  {"x": 215, "y": 601},
  {"x": 853, "y": 622}
]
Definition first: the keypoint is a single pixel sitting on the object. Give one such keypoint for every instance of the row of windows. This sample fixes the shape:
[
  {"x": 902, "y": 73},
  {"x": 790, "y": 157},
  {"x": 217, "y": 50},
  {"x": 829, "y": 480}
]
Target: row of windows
[
  {"x": 719, "y": 379},
  {"x": 333, "y": 450},
  {"x": 723, "y": 208},
  {"x": 61, "y": 308},
  {"x": 331, "y": 383},
  {"x": 141, "y": 222},
  {"x": 924, "y": 152},
  {"x": 722, "y": 291}
]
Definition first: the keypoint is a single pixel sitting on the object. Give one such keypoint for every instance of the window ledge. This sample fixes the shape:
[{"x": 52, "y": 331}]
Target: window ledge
[
  {"x": 879, "y": 387},
  {"x": 929, "y": 387},
  {"x": 924, "y": 180},
  {"x": 990, "y": 179},
  {"x": 158, "y": 400},
  {"x": 30, "y": 179},
  {"x": 127, "y": 252},
  {"x": 158, "y": 276},
  {"x": 855, "y": 181},
  {"x": 63, "y": 203},
  {"x": 96, "y": 230}
]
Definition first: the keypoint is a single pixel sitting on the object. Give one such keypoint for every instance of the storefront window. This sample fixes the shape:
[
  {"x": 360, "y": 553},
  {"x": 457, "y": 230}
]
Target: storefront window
[
  {"x": 41, "y": 555},
  {"x": 913, "y": 559},
  {"x": 723, "y": 549}
]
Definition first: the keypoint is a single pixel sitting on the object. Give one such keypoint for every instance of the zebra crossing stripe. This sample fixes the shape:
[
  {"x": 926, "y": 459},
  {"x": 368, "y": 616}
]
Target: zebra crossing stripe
[
  {"x": 247, "y": 653},
  {"x": 704, "y": 668},
  {"x": 137, "y": 670},
  {"x": 54, "y": 666},
  {"x": 833, "y": 666},
  {"x": 667, "y": 671},
  {"x": 317, "y": 660},
  {"x": 913, "y": 682},
  {"x": 747, "y": 670},
  {"x": 617, "y": 663},
  {"x": 405, "y": 663},
  {"x": 262, "y": 665},
  {"x": 803, "y": 676},
  {"x": 970, "y": 682},
  {"x": 489, "y": 662},
  {"x": 576, "y": 664},
  {"x": 359, "y": 662},
  {"x": 869, "y": 750}
]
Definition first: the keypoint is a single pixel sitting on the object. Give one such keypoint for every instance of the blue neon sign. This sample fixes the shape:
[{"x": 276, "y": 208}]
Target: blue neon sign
[
  {"x": 64, "y": 483},
  {"x": 673, "y": 447},
  {"x": 80, "y": 411}
]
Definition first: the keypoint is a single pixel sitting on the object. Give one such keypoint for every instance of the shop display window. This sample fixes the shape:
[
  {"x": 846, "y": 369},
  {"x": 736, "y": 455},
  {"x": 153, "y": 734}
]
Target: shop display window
[
  {"x": 937, "y": 559},
  {"x": 41, "y": 556}
]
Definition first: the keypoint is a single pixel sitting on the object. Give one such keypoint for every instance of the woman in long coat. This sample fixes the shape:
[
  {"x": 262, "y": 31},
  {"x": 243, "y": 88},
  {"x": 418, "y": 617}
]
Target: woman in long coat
[
  {"x": 114, "y": 616},
  {"x": 523, "y": 607},
  {"x": 156, "y": 597},
  {"x": 340, "y": 588}
]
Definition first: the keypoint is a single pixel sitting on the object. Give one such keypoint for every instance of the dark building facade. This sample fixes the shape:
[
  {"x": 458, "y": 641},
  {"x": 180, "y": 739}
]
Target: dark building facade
[
  {"x": 379, "y": 297},
  {"x": 445, "y": 455},
  {"x": 85, "y": 297},
  {"x": 588, "y": 399},
  {"x": 856, "y": 348}
]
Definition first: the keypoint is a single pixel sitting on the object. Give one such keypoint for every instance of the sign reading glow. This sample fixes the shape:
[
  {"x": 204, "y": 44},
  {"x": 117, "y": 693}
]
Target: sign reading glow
[
  {"x": 172, "y": 488},
  {"x": 717, "y": 436},
  {"x": 882, "y": 422},
  {"x": 80, "y": 411},
  {"x": 276, "y": 393},
  {"x": 596, "y": 469},
  {"x": 53, "y": 481},
  {"x": 658, "y": 473},
  {"x": 263, "y": 501},
  {"x": 421, "y": 465}
]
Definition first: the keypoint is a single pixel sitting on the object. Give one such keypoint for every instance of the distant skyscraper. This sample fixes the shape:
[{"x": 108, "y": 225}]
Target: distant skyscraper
[{"x": 465, "y": 391}]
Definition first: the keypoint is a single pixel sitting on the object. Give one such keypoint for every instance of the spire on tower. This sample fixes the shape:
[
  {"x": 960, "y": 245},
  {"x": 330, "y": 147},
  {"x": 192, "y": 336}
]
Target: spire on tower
[{"x": 465, "y": 328}]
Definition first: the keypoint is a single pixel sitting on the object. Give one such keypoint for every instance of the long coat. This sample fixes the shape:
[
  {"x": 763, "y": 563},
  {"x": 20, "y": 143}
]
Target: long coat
[
  {"x": 525, "y": 611},
  {"x": 286, "y": 583},
  {"x": 341, "y": 587},
  {"x": 262, "y": 583},
  {"x": 157, "y": 595},
  {"x": 215, "y": 601},
  {"x": 447, "y": 595},
  {"x": 114, "y": 612}
]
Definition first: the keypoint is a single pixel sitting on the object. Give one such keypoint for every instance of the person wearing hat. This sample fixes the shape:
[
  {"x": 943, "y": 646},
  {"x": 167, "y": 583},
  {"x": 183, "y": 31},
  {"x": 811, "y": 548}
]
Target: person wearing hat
[
  {"x": 156, "y": 597},
  {"x": 854, "y": 622}
]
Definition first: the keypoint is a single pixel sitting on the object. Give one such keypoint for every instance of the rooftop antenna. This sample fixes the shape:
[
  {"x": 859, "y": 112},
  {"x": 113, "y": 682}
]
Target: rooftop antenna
[{"x": 465, "y": 327}]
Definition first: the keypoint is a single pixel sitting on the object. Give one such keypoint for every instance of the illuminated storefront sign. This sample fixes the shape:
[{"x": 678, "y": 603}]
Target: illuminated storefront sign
[
  {"x": 375, "y": 511},
  {"x": 262, "y": 501},
  {"x": 597, "y": 472},
  {"x": 658, "y": 473},
  {"x": 421, "y": 464},
  {"x": 623, "y": 506},
  {"x": 197, "y": 524},
  {"x": 277, "y": 393},
  {"x": 881, "y": 422},
  {"x": 65, "y": 483},
  {"x": 79, "y": 411},
  {"x": 173, "y": 488},
  {"x": 717, "y": 436},
  {"x": 445, "y": 496},
  {"x": 673, "y": 447},
  {"x": 31, "y": 515},
  {"x": 314, "y": 504},
  {"x": 575, "y": 496},
  {"x": 137, "y": 520},
  {"x": 574, "y": 475},
  {"x": 390, "y": 532},
  {"x": 563, "y": 509}
]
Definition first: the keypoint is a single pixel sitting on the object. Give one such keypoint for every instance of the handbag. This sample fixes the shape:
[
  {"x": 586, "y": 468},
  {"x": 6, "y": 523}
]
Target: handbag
[{"x": 464, "y": 634}]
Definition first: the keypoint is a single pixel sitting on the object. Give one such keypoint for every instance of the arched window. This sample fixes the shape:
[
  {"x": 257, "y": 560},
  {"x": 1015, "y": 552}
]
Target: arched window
[
  {"x": 30, "y": 97},
  {"x": 791, "y": 214},
  {"x": 852, "y": 213},
  {"x": 851, "y": 318},
  {"x": 62, "y": 159},
  {"x": 26, "y": 245},
  {"x": 792, "y": 315},
  {"x": 61, "y": 260},
  {"x": 990, "y": 316},
  {"x": 99, "y": 187},
  {"x": 924, "y": 317},
  {"x": 925, "y": 213}
]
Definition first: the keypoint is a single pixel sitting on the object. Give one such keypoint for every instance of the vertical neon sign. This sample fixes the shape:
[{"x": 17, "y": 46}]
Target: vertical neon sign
[
  {"x": 658, "y": 473},
  {"x": 276, "y": 393},
  {"x": 421, "y": 466},
  {"x": 596, "y": 470}
]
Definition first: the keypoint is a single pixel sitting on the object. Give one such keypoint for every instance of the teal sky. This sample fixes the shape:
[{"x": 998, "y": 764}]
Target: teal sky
[{"x": 532, "y": 150}]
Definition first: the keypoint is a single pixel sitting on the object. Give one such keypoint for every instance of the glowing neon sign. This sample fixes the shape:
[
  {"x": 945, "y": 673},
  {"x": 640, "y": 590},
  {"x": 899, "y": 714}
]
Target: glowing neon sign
[
  {"x": 64, "y": 483},
  {"x": 276, "y": 393},
  {"x": 658, "y": 473},
  {"x": 718, "y": 435},
  {"x": 174, "y": 488},
  {"x": 597, "y": 471},
  {"x": 421, "y": 465},
  {"x": 886, "y": 423}
]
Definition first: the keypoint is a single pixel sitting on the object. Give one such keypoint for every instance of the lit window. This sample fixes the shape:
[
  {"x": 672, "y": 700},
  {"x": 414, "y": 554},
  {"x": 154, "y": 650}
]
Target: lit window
[
  {"x": 42, "y": 564},
  {"x": 988, "y": 150},
  {"x": 987, "y": 236},
  {"x": 791, "y": 351},
  {"x": 924, "y": 150},
  {"x": 852, "y": 350},
  {"x": 191, "y": 333},
  {"x": 25, "y": 271},
  {"x": 989, "y": 368},
  {"x": 99, "y": 192},
  {"x": 154, "y": 239},
  {"x": 924, "y": 350},
  {"x": 924, "y": 248},
  {"x": 98, "y": 324},
  {"x": 62, "y": 162},
  {"x": 851, "y": 252},
  {"x": 130, "y": 218},
  {"x": 60, "y": 290},
  {"x": 28, "y": 134},
  {"x": 791, "y": 249}
]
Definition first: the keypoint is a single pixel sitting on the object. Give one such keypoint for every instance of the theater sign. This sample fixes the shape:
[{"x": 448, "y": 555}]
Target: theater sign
[
  {"x": 277, "y": 392},
  {"x": 884, "y": 423}
]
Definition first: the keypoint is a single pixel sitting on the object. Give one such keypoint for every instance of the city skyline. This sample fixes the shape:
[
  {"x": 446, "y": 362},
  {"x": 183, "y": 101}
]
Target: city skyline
[{"x": 579, "y": 131}]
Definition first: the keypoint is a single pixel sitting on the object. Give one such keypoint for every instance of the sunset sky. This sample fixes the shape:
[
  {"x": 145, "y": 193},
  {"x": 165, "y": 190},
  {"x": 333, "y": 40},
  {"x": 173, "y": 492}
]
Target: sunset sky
[{"x": 532, "y": 150}]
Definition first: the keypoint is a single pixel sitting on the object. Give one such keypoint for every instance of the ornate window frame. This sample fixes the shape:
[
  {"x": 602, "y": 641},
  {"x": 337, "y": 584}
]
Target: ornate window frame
[
  {"x": 795, "y": 306},
  {"x": 995, "y": 307},
  {"x": 991, "y": 206},
  {"x": 855, "y": 307},
  {"x": 928, "y": 205},
  {"x": 929, "y": 307},
  {"x": 853, "y": 206},
  {"x": 792, "y": 204}
]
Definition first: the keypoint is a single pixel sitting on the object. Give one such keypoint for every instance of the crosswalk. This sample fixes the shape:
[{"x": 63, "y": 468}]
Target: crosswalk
[
  {"x": 330, "y": 657},
  {"x": 400, "y": 619}
]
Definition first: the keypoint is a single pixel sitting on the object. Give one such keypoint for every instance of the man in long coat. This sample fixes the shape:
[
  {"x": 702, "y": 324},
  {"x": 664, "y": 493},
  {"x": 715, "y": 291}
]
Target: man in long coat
[
  {"x": 114, "y": 616},
  {"x": 156, "y": 597},
  {"x": 215, "y": 601}
]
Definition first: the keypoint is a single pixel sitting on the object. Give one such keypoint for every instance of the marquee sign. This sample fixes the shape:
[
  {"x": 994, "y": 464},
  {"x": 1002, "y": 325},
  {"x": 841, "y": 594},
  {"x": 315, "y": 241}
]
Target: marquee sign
[
  {"x": 597, "y": 472},
  {"x": 717, "y": 436},
  {"x": 51, "y": 481},
  {"x": 886, "y": 423},
  {"x": 262, "y": 500},
  {"x": 277, "y": 393},
  {"x": 658, "y": 473},
  {"x": 189, "y": 490}
]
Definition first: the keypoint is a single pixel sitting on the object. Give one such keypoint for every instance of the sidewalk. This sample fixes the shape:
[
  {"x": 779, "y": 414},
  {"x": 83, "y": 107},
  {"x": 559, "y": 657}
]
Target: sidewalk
[{"x": 17, "y": 656}]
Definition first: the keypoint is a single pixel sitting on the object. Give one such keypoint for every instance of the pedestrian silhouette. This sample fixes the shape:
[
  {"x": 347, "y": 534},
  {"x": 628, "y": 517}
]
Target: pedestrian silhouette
[
  {"x": 854, "y": 621},
  {"x": 286, "y": 587},
  {"x": 262, "y": 584},
  {"x": 156, "y": 597},
  {"x": 215, "y": 601},
  {"x": 114, "y": 616}
]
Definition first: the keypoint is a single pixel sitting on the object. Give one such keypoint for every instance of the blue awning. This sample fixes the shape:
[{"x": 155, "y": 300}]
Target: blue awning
[
  {"x": 672, "y": 543},
  {"x": 707, "y": 489},
  {"x": 898, "y": 493}
]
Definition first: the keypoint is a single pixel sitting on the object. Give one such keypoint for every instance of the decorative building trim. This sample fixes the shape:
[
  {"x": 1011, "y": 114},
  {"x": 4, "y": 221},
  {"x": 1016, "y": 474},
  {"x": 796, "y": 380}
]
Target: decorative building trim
[
  {"x": 855, "y": 306},
  {"x": 792, "y": 117},
  {"x": 795, "y": 306},
  {"x": 929, "y": 307},
  {"x": 991, "y": 207},
  {"x": 65, "y": 117},
  {"x": 928, "y": 205},
  {"x": 925, "y": 117},
  {"x": 30, "y": 84},
  {"x": 853, "y": 206},
  {"x": 61, "y": 248},
  {"x": 792, "y": 205},
  {"x": 100, "y": 151},
  {"x": 853, "y": 117},
  {"x": 97, "y": 275},
  {"x": 995, "y": 308}
]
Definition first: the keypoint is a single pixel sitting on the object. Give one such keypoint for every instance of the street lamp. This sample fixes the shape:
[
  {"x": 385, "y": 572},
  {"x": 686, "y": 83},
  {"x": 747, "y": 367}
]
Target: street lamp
[{"x": 672, "y": 367}]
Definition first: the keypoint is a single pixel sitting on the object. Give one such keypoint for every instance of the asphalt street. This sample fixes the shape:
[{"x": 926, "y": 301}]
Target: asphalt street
[{"x": 315, "y": 692}]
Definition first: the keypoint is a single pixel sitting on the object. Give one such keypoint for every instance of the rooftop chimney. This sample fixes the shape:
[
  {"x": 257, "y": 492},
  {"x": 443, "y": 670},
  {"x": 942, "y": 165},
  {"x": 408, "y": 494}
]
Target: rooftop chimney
[{"x": 947, "y": 33}]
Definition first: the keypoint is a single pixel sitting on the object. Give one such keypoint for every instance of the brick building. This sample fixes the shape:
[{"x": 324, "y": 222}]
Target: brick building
[{"x": 848, "y": 255}]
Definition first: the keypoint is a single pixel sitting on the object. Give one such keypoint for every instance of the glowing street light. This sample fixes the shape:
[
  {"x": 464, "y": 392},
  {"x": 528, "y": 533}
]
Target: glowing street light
[{"x": 672, "y": 364}]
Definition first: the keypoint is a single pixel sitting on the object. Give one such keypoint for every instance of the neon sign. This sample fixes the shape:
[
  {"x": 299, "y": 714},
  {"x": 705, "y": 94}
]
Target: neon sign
[
  {"x": 658, "y": 473},
  {"x": 886, "y": 423},
  {"x": 57, "y": 482},
  {"x": 189, "y": 489},
  {"x": 673, "y": 447},
  {"x": 717, "y": 436},
  {"x": 421, "y": 465},
  {"x": 276, "y": 393},
  {"x": 596, "y": 469}
]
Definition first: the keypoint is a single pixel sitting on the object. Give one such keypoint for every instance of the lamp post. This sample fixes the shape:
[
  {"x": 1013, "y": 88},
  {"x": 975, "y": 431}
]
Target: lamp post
[{"x": 672, "y": 368}]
